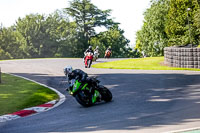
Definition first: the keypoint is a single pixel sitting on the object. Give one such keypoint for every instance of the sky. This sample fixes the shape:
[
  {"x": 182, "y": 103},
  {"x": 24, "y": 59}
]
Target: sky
[{"x": 129, "y": 13}]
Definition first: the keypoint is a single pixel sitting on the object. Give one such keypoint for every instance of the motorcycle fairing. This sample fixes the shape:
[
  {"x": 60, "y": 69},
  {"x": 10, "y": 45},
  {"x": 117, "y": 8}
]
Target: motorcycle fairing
[
  {"x": 95, "y": 96},
  {"x": 77, "y": 85}
]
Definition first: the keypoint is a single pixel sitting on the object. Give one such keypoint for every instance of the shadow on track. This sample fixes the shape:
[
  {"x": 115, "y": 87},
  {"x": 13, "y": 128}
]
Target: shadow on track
[{"x": 139, "y": 101}]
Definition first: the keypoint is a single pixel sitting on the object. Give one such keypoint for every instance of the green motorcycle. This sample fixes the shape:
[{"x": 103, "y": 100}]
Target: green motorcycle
[{"x": 89, "y": 93}]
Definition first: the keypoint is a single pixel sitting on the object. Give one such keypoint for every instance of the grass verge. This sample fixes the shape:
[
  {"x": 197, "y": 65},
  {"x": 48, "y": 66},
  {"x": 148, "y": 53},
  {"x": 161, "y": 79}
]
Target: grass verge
[
  {"x": 17, "y": 93},
  {"x": 149, "y": 63}
]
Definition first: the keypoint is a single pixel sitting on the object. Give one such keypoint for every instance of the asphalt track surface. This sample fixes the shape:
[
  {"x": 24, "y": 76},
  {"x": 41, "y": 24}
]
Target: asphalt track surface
[{"x": 144, "y": 101}]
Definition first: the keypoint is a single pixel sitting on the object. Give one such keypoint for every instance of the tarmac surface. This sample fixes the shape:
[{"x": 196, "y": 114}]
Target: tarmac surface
[{"x": 144, "y": 101}]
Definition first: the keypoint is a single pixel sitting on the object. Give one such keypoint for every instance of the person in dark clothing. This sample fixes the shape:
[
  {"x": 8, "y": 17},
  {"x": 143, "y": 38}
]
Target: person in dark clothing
[
  {"x": 109, "y": 48},
  {"x": 73, "y": 74},
  {"x": 88, "y": 50},
  {"x": 76, "y": 74}
]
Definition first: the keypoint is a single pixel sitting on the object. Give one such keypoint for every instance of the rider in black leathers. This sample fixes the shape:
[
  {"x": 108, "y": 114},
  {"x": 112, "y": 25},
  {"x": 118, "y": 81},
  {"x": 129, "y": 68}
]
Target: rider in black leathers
[
  {"x": 76, "y": 74},
  {"x": 88, "y": 50}
]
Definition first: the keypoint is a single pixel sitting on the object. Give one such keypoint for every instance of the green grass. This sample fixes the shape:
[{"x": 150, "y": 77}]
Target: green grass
[
  {"x": 17, "y": 93},
  {"x": 149, "y": 63},
  {"x": 192, "y": 131}
]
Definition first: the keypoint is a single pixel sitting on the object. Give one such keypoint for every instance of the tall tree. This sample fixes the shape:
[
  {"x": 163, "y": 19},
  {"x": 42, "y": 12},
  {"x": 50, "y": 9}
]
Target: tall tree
[
  {"x": 10, "y": 44},
  {"x": 42, "y": 34},
  {"x": 87, "y": 16},
  {"x": 115, "y": 39},
  {"x": 181, "y": 28},
  {"x": 152, "y": 38},
  {"x": 68, "y": 42},
  {"x": 30, "y": 28},
  {"x": 52, "y": 28}
]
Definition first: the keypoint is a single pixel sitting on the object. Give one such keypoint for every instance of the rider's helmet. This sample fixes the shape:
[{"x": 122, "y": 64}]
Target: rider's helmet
[
  {"x": 90, "y": 47},
  {"x": 67, "y": 70},
  {"x": 97, "y": 47},
  {"x": 109, "y": 48}
]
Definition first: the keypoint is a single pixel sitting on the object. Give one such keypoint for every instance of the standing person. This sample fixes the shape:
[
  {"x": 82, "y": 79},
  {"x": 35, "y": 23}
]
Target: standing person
[{"x": 108, "y": 52}]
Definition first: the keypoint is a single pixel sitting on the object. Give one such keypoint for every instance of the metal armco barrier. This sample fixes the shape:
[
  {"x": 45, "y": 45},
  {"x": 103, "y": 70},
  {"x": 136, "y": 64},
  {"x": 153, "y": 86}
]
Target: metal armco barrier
[{"x": 182, "y": 57}]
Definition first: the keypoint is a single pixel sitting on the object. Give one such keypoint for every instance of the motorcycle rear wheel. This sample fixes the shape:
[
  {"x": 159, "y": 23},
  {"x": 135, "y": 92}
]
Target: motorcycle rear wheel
[{"x": 105, "y": 93}]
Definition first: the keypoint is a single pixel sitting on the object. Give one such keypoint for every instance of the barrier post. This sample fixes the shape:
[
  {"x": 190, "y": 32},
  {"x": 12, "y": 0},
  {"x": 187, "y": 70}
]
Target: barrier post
[{"x": 0, "y": 74}]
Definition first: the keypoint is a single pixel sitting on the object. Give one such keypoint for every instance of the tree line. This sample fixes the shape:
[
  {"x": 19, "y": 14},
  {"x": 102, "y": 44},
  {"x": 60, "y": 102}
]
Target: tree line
[
  {"x": 169, "y": 23},
  {"x": 64, "y": 33},
  {"x": 68, "y": 32}
]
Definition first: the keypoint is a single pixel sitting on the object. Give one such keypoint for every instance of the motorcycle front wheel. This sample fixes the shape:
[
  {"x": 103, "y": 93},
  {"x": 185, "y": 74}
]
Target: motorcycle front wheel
[
  {"x": 89, "y": 63},
  {"x": 82, "y": 99}
]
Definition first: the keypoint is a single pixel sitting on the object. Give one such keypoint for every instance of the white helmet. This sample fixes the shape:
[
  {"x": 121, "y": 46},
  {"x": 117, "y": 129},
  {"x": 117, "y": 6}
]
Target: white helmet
[{"x": 67, "y": 70}]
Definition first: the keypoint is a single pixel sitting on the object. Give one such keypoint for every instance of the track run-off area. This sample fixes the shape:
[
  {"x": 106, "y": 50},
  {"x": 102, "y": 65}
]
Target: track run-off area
[{"x": 144, "y": 101}]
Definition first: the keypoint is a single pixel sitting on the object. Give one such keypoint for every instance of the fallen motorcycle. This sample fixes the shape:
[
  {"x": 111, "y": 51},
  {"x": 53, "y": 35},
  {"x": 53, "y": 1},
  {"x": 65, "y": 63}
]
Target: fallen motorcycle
[{"x": 90, "y": 92}]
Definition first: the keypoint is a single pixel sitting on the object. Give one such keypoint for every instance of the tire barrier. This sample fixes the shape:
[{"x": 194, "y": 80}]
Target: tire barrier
[{"x": 182, "y": 57}]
